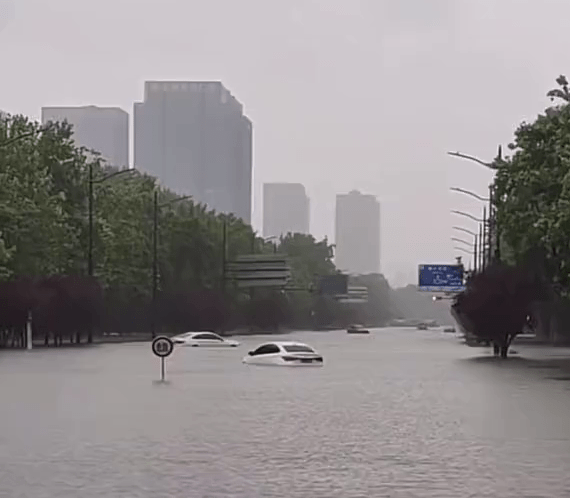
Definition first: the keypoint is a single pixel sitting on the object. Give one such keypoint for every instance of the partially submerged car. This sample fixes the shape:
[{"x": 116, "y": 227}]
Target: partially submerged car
[{"x": 284, "y": 354}]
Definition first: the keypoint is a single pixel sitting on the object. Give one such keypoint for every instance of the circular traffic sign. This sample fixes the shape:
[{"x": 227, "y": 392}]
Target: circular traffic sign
[{"x": 162, "y": 346}]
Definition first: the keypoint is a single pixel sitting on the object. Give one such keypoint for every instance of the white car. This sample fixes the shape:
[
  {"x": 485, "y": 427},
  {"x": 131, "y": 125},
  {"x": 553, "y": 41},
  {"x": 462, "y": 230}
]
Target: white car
[
  {"x": 284, "y": 353},
  {"x": 203, "y": 339}
]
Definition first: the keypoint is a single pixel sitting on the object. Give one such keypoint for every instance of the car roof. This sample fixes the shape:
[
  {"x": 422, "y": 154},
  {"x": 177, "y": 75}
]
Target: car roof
[
  {"x": 285, "y": 343},
  {"x": 200, "y": 332}
]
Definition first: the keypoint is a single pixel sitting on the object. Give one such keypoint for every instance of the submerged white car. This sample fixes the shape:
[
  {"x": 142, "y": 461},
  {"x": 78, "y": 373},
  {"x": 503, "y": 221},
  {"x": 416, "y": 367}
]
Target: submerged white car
[
  {"x": 203, "y": 339},
  {"x": 284, "y": 353}
]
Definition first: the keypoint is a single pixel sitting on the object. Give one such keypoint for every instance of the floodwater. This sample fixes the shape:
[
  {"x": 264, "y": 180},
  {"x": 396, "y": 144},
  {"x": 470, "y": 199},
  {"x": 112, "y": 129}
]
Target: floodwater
[{"x": 398, "y": 413}]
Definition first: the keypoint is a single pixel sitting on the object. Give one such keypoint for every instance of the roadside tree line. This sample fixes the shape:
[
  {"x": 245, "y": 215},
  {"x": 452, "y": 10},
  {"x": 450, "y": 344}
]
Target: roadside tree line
[
  {"x": 531, "y": 194},
  {"x": 45, "y": 247}
]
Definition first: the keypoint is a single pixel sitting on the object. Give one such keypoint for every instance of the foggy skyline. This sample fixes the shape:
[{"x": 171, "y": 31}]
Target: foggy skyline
[{"x": 343, "y": 94}]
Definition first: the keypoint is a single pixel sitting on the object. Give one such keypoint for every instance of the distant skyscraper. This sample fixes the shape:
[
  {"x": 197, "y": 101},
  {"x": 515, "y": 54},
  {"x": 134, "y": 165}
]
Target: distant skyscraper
[
  {"x": 357, "y": 233},
  {"x": 104, "y": 129},
  {"x": 285, "y": 209},
  {"x": 195, "y": 138}
]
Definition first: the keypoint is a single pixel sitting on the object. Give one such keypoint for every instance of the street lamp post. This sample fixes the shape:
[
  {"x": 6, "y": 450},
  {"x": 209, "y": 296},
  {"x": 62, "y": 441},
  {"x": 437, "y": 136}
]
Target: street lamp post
[
  {"x": 462, "y": 241},
  {"x": 224, "y": 255},
  {"x": 458, "y": 248},
  {"x": 468, "y": 192},
  {"x": 467, "y": 215},
  {"x": 493, "y": 229},
  {"x": 272, "y": 237},
  {"x": 469, "y": 244},
  {"x": 156, "y": 207},
  {"x": 90, "y": 233},
  {"x": 464, "y": 230},
  {"x": 483, "y": 241},
  {"x": 92, "y": 181},
  {"x": 480, "y": 240}
]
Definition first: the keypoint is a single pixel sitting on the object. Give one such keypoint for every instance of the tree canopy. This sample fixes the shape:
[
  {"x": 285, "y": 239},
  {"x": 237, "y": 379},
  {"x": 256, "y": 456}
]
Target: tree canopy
[
  {"x": 532, "y": 192},
  {"x": 44, "y": 190}
]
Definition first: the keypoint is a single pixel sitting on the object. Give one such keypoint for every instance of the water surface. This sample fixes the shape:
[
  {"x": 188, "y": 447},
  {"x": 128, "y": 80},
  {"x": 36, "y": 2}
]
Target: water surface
[{"x": 398, "y": 413}]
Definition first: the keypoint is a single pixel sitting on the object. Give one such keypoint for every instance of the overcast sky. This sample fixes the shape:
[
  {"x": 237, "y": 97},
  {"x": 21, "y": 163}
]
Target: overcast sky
[{"x": 343, "y": 94}]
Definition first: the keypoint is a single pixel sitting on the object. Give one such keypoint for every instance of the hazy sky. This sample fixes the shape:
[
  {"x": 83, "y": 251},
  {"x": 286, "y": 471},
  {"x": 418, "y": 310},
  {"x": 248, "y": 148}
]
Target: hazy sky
[{"x": 343, "y": 94}]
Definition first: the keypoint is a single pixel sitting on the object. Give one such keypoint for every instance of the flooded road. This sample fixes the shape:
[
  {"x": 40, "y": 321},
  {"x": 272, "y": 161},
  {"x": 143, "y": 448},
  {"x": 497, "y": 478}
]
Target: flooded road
[{"x": 398, "y": 413}]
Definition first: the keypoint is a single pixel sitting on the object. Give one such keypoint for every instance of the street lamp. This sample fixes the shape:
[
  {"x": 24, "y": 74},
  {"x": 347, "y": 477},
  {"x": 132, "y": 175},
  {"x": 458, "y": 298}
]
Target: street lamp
[
  {"x": 478, "y": 220},
  {"x": 468, "y": 192},
  {"x": 93, "y": 181},
  {"x": 462, "y": 249},
  {"x": 492, "y": 165},
  {"x": 472, "y": 246},
  {"x": 493, "y": 226},
  {"x": 272, "y": 237},
  {"x": 464, "y": 230},
  {"x": 462, "y": 241},
  {"x": 156, "y": 207}
]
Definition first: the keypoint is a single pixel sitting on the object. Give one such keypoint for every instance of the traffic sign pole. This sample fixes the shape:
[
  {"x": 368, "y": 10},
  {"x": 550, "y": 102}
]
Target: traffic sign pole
[{"x": 162, "y": 347}]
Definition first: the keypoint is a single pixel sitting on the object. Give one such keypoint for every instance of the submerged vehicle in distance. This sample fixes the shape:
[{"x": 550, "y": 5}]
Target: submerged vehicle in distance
[
  {"x": 203, "y": 339},
  {"x": 288, "y": 353},
  {"x": 357, "y": 329}
]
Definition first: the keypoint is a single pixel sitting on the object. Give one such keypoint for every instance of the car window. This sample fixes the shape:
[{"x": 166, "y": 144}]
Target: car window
[
  {"x": 266, "y": 349},
  {"x": 298, "y": 348},
  {"x": 213, "y": 337}
]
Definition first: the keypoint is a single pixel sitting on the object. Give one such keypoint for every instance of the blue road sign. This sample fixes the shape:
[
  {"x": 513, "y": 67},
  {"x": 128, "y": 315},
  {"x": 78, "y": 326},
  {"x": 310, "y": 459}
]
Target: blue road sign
[{"x": 441, "y": 278}]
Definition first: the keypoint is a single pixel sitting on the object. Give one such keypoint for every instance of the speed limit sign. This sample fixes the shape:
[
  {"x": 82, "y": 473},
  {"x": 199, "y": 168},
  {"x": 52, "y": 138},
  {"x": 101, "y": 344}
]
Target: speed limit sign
[{"x": 162, "y": 347}]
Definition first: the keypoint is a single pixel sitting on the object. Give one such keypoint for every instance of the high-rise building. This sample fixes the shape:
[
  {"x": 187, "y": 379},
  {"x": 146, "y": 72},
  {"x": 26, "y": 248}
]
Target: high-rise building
[
  {"x": 103, "y": 129},
  {"x": 357, "y": 233},
  {"x": 196, "y": 139},
  {"x": 285, "y": 209}
]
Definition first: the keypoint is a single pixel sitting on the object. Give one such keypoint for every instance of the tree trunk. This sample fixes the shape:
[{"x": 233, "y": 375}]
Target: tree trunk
[{"x": 506, "y": 344}]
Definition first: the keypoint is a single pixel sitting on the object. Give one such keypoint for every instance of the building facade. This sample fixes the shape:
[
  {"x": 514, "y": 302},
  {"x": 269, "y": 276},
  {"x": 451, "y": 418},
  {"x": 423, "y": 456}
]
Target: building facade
[
  {"x": 196, "y": 139},
  {"x": 103, "y": 129},
  {"x": 357, "y": 233},
  {"x": 286, "y": 209}
]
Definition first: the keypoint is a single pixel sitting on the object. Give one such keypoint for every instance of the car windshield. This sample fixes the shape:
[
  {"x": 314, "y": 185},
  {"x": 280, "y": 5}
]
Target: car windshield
[{"x": 298, "y": 348}]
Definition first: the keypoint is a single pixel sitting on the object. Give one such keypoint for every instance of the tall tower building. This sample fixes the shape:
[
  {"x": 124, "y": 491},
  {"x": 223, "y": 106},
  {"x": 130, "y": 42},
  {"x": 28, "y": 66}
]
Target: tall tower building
[
  {"x": 196, "y": 139},
  {"x": 285, "y": 209},
  {"x": 357, "y": 233},
  {"x": 104, "y": 129}
]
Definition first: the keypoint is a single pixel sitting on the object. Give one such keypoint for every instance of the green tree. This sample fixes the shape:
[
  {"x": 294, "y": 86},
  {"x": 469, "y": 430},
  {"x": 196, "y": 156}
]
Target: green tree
[
  {"x": 44, "y": 180},
  {"x": 532, "y": 192},
  {"x": 37, "y": 231}
]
